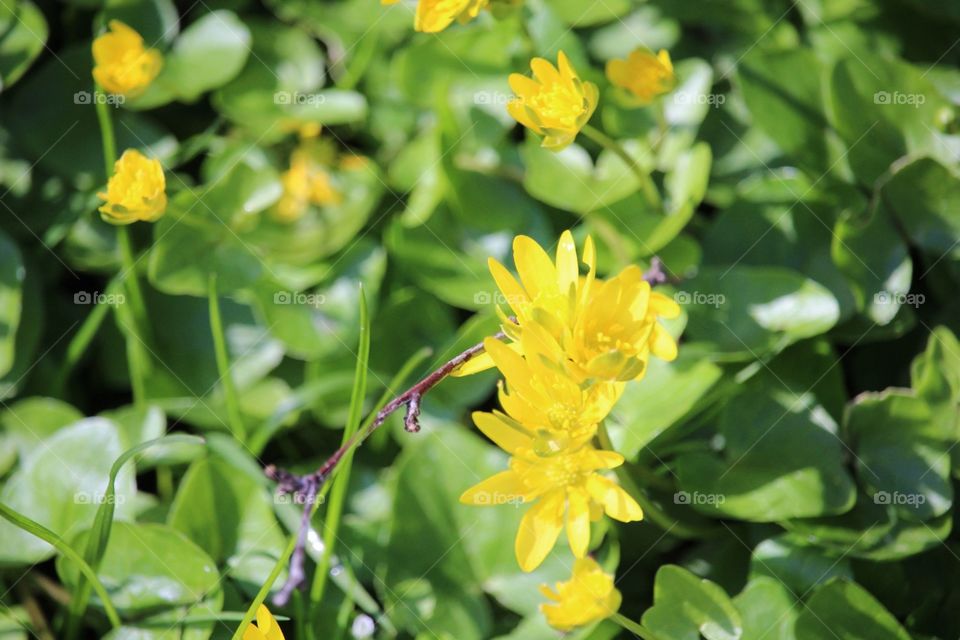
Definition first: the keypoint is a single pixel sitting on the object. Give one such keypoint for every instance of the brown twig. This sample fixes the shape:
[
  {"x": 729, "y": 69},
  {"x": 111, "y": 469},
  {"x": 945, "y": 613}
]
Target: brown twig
[{"x": 304, "y": 489}]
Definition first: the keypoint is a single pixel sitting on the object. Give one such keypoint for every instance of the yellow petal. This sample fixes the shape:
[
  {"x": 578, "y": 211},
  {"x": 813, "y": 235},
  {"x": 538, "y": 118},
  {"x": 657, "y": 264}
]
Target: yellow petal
[
  {"x": 515, "y": 296},
  {"x": 501, "y": 432},
  {"x": 539, "y": 530},
  {"x": 534, "y": 266},
  {"x": 476, "y": 364},
  {"x": 252, "y": 633},
  {"x": 502, "y": 488},
  {"x": 578, "y": 523},
  {"x": 568, "y": 270},
  {"x": 544, "y": 71},
  {"x": 662, "y": 344},
  {"x": 617, "y": 503}
]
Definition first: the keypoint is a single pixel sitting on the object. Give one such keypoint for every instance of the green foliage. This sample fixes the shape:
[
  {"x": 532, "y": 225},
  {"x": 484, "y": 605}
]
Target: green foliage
[{"x": 797, "y": 462}]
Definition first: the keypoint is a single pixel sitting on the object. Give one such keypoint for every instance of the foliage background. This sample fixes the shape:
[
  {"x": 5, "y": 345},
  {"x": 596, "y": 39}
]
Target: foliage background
[{"x": 800, "y": 454}]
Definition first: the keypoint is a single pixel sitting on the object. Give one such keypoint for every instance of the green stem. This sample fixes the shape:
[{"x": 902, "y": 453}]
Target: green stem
[
  {"x": 647, "y": 185},
  {"x": 223, "y": 361},
  {"x": 136, "y": 355},
  {"x": 633, "y": 627},
  {"x": 338, "y": 493}
]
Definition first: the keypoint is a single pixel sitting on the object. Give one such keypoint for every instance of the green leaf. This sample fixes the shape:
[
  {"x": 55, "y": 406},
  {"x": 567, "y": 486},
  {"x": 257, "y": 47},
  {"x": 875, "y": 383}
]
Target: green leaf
[
  {"x": 31, "y": 420},
  {"x": 208, "y": 54},
  {"x": 783, "y": 90},
  {"x": 570, "y": 180},
  {"x": 747, "y": 312},
  {"x": 577, "y": 15},
  {"x": 768, "y": 610},
  {"x": 61, "y": 484},
  {"x": 902, "y": 456},
  {"x": 229, "y": 515},
  {"x": 668, "y": 392},
  {"x": 844, "y": 610},
  {"x": 884, "y": 112},
  {"x": 686, "y": 608},
  {"x": 147, "y": 567},
  {"x": 781, "y": 458},
  {"x": 797, "y": 567},
  {"x": 924, "y": 196},
  {"x": 25, "y": 33}
]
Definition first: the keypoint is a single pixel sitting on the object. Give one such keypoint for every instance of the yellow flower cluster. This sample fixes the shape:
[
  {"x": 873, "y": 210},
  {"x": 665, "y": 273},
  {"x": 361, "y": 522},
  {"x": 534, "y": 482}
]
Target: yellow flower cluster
[
  {"x": 557, "y": 104},
  {"x": 574, "y": 342}
]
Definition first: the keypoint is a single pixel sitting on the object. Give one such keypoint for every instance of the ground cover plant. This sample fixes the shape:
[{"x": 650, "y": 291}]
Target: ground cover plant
[{"x": 515, "y": 319}]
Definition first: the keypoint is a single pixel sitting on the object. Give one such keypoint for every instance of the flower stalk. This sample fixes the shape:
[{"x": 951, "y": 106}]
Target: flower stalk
[
  {"x": 647, "y": 185},
  {"x": 223, "y": 361}
]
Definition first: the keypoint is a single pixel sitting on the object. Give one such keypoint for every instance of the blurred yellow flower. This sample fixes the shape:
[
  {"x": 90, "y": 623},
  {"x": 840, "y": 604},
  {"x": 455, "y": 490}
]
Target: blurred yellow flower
[
  {"x": 643, "y": 74},
  {"x": 588, "y": 596},
  {"x": 306, "y": 182},
  {"x": 565, "y": 484},
  {"x": 121, "y": 63},
  {"x": 265, "y": 629},
  {"x": 434, "y": 16},
  {"x": 555, "y": 103},
  {"x": 135, "y": 191}
]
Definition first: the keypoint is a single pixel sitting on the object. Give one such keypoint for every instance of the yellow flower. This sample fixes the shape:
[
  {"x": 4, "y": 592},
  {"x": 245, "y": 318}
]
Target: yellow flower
[
  {"x": 135, "y": 191},
  {"x": 121, "y": 63},
  {"x": 588, "y": 596},
  {"x": 643, "y": 74},
  {"x": 434, "y": 16},
  {"x": 265, "y": 629},
  {"x": 541, "y": 396},
  {"x": 602, "y": 330},
  {"x": 555, "y": 103},
  {"x": 618, "y": 329},
  {"x": 304, "y": 183},
  {"x": 564, "y": 484}
]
